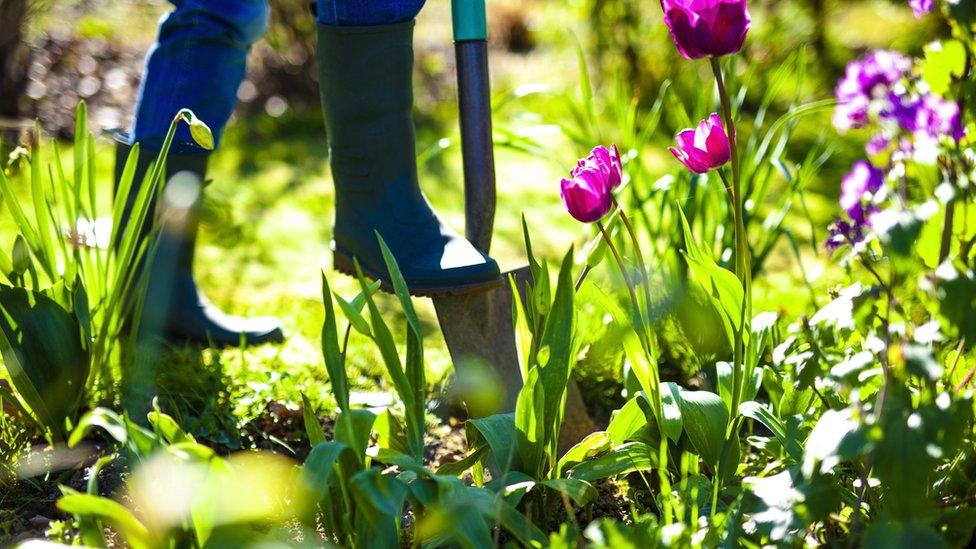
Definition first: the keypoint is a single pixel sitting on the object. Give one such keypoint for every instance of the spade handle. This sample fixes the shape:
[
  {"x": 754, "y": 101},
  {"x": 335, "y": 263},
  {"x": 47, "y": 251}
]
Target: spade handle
[{"x": 474, "y": 107}]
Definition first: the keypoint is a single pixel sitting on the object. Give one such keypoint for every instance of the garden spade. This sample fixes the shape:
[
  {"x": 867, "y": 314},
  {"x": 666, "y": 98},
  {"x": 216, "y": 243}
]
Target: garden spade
[{"x": 478, "y": 327}]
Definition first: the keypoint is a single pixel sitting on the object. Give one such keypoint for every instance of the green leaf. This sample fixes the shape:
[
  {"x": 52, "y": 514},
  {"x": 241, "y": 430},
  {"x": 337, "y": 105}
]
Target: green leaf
[
  {"x": 6, "y": 264},
  {"x": 838, "y": 436},
  {"x": 902, "y": 535},
  {"x": 316, "y": 435},
  {"x": 167, "y": 427},
  {"x": 630, "y": 457},
  {"x": 643, "y": 366},
  {"x": 390, "y": 432},
  {"x": 453, "y": 524},
  {"x": 88, "y": 506},
  {"x": 530, "y": 425},
  {"x": 540, "y": 296},
  {"x": 762, "y": 414},
  {"x": 626, "y": 421},
  {"x": 409, "y": 376},
  {"x": 352, "y": 309},
  {"x": 414, "y": 368},
  {"x": 580, "y": 491},
  {"x": 920, "y": 361},
  {"x": 44, "y": 247},
  {"x": 119, "y": 428},
  {"x": 497, "y": 509},
  {"x": 108, "y": 420},
  {"x": 384, "y": 340},
  {"x": 41, "y": 348},
  {"x": 380, "y": 498},
  {"x": 591, "y": 446},
  {"x": 671, "y": 409},
  {"x": 720, "y": 285},
  {"x": 353, "y": 428},
  {"x": 704, "y": 418},
  {"x": 124, "y": 183},
  {"x": 24, "y": 226},
  {"x": 559, "y": 336},
  {"x": 943, "y": 61},
  {"x": 498, "y": 433},
  {"x": 400, "y": 287},
  {"x": 335, "y": 360},
  {"x": 82, "y": 312},
  {"x": 723, "y": 375},
  {"x": 457, "y": 468},
  {"x": 7, "y": 397},
  {"x": 776, "y": 499},
  {"x": 320, "y": 467}
]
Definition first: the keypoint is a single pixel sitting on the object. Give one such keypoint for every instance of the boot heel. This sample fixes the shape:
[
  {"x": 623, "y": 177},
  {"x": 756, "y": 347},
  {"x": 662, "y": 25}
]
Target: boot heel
[{"x": 343, "y": 264}]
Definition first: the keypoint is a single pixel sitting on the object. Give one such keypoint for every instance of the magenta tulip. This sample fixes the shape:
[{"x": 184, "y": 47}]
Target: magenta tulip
[
  {"x": 588, "y": 193},
  {"x": 703, "y": 148},
  {"x": 587, "y": 199},
  {"x": 607, "y": 162},
  {"x": 707, "y": 28}
]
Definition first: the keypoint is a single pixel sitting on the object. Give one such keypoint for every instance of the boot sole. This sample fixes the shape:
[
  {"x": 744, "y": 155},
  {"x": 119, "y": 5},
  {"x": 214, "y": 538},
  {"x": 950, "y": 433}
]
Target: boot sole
[{"x": 345, "y": 265}]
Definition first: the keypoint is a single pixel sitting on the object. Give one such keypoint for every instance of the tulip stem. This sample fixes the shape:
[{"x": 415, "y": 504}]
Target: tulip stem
[
  {"x": 646, "y": 317},
  {"x": 639, "y": 324},
  {"x": 743, "y": 268},
  {"x": 645, "y": 285}
]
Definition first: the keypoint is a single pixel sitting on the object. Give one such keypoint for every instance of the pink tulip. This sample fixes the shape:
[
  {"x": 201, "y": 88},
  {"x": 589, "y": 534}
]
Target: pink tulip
[
  {"x": 707, "y": 28},
  {"x": 703, "y": 148},
  {"x": 588, "y": 193}
]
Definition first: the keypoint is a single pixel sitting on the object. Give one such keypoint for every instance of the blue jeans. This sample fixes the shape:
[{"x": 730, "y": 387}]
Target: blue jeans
[{"x": 199, "y": 59}]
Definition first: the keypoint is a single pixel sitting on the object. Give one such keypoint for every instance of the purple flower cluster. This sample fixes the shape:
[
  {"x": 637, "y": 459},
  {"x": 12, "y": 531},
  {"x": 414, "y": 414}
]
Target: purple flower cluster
[
  {"x": 858, "y": 189},
  {"x": 879, "y": 85},
  {"x": 921, "y": 7},
  {"x": 928, "y": 116},
  {"x": 865, "y": 81}
]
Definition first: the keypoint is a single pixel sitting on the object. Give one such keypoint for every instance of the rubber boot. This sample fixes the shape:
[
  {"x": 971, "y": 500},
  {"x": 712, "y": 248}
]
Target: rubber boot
[
  {"x": 174, "y": 304},
  {"x": 365, "y": 75}
]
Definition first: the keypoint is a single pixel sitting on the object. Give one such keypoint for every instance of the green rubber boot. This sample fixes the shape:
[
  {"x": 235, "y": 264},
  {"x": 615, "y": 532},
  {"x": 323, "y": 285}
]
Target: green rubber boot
[
  {"x": 174, "y": 305},
  {"x": 365, "y": 74}
]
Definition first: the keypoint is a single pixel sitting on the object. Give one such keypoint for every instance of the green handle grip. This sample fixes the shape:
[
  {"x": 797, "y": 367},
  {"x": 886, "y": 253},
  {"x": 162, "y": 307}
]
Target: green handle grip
[{"x": 470, "y": 22}]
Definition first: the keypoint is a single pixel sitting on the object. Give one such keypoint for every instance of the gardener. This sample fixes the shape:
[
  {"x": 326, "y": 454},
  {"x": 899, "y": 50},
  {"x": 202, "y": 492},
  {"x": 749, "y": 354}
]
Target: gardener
[{"x": 365, "y": 62}]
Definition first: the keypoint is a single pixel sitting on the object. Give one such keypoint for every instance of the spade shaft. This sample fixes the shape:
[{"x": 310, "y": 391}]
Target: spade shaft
[
  {"x": 474, "y": 110},
  {"x": 478, "y": 327}
]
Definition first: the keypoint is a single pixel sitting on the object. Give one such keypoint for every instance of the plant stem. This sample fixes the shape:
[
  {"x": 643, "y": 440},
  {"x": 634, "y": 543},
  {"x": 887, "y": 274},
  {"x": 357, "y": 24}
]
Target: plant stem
[
  {"x": 645, "y": 282},
  {"x": 945, "y": 246},
  {"x": 743, "y": 268},
  {"x": 645, "y": 319},
  {"x": 623, "y": 268},
  {"x": 638, "y": 320}
]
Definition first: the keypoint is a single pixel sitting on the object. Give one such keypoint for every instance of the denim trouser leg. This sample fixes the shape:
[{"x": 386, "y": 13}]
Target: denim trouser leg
[
  {"x": 198, "y": 63},
  {"x": 199, "y": 59}
]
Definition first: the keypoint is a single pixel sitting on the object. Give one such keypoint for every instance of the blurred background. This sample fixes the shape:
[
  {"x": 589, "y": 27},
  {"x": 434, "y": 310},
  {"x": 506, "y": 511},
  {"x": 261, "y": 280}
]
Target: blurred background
[
  {"x": 566, "y": 75},
  {"x": 54, "y": 53}
]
